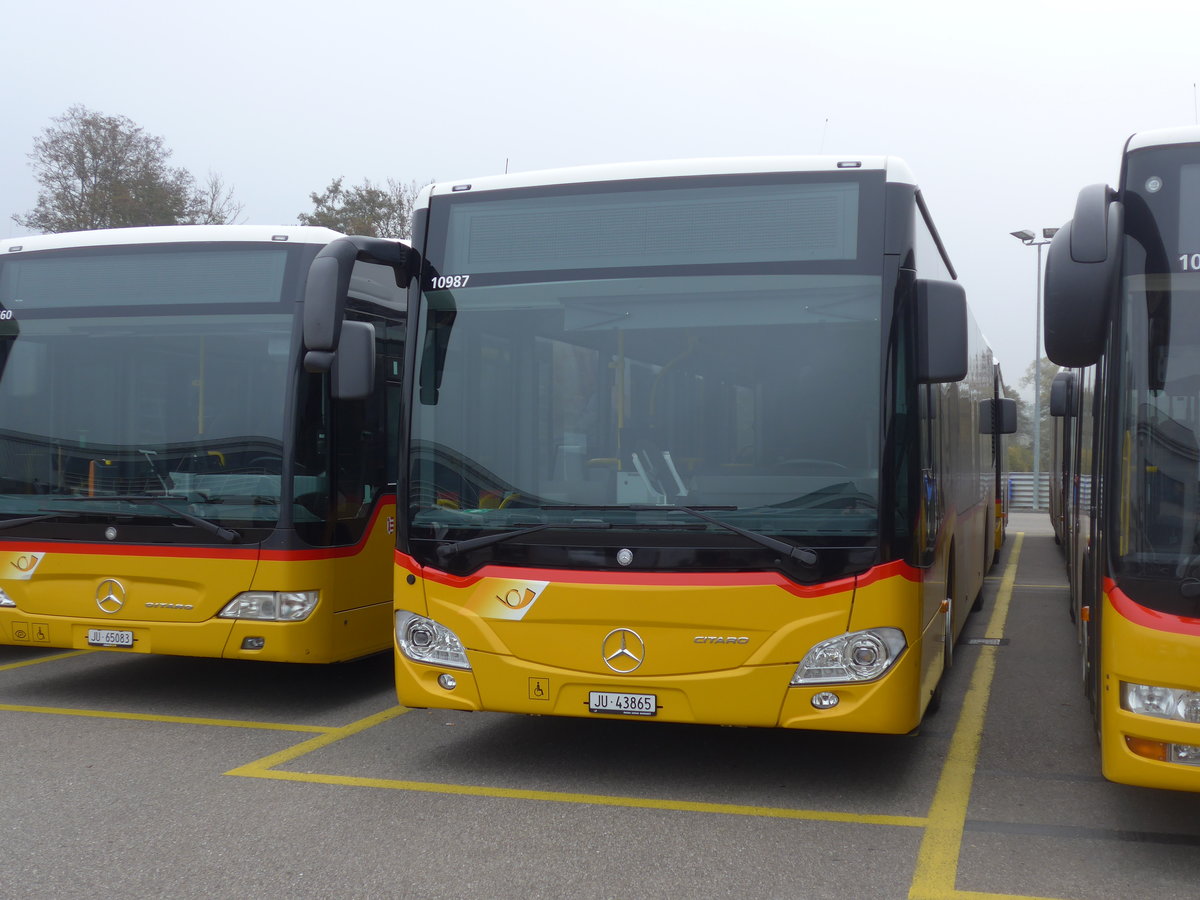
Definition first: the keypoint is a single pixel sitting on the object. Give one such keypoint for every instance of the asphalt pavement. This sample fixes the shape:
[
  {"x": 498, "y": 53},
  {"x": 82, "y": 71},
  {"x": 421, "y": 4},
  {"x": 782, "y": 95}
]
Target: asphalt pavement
[{"x": 158, "y": 776}]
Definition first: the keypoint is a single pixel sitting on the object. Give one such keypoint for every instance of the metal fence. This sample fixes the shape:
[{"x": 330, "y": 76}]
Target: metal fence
[{"x": 1020, "y": 490}]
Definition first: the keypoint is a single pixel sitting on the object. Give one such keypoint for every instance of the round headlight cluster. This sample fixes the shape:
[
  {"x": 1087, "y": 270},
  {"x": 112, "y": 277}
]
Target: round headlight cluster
[{"x": 426, "y": 641}]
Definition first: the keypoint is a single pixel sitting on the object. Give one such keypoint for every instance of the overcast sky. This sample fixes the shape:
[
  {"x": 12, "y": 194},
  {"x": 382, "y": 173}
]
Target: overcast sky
[{"x": 1002, "y": 111}]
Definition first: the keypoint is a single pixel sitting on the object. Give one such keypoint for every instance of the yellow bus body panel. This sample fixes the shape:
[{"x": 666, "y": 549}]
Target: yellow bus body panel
[
  {"x": 171, "y": 597},
  {"x": 719, "y": 649},
  {"x": 1135, "y": 653},
  {"x": 1000, "y": 525}
]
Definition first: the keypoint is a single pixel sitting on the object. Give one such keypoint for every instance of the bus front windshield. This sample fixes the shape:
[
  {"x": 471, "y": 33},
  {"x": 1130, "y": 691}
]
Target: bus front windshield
[
  {"x": 1156, "y": 508},
  {"x": 601, "y": 360},
  {"x": 144, "y": 382},
  {"x": 1158, "y": 504}
]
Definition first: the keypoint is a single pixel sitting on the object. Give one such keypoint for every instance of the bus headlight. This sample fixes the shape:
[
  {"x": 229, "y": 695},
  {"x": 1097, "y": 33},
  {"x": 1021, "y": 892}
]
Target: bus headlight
[
  {"x": 854, "y": 656},
  {"x": 5, "y": 600},
  {"x": 271, "y": 606},
  {"x": 1161, "y": 702},
  {"x": 425, "y": 641}
]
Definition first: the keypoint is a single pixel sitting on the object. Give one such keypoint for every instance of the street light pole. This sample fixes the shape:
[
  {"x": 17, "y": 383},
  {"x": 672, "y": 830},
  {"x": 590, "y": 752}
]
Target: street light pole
[{"x": 1028, "y": 238}]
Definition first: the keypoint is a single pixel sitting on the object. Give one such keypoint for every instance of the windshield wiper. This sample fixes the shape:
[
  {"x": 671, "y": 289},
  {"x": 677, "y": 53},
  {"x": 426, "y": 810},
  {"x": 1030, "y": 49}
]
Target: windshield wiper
[
  {"x": 225, "y": 534},
  {"x": 445, "y": 551},
  {"x": 802, "y": 555},
  {"x": 27, "y": 520}
]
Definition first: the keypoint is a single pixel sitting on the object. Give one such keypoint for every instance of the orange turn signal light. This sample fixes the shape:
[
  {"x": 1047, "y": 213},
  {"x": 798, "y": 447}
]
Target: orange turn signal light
[{"x": 1149, "y": 749}]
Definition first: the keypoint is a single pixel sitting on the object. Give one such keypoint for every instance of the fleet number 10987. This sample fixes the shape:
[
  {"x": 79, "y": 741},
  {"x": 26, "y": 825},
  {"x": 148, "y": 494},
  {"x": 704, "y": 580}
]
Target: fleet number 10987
[{"x": 446, "y": 282}]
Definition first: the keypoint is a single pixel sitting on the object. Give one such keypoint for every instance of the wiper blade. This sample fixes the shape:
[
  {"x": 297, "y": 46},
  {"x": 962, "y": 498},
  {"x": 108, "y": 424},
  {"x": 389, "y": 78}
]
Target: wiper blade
[
  {"x": 225, "y": 534},
  {"x": 446, "y": 551},
  {"x": 802, "y": 555},
  {"x": 26, "y": 520}
]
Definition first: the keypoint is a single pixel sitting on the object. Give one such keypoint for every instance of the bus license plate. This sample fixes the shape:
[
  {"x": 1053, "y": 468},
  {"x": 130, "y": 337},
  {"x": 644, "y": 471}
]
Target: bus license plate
[
  {"x": 622, "y": 704},
  {"x": 103, "y": 637}
]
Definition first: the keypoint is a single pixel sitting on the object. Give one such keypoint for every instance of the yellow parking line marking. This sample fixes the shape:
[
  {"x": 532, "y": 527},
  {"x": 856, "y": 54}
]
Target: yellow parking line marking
[
  {"x": 260, "y": 767},
  {"x": 179, "y": 720},
  {"x": 726, "y": 809},
  {"x": 264, "y": 768},
  {"x": 43, "y": 659},
  {"x": 937, "y": 860}
]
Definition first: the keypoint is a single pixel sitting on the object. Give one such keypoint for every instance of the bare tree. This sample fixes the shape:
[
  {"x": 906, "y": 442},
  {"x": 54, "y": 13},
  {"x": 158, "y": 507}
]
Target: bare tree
[
  {"x": 98, "y": 171},
  {"x": 364, "y": 209},
  {"x": 213, "y": 203}
]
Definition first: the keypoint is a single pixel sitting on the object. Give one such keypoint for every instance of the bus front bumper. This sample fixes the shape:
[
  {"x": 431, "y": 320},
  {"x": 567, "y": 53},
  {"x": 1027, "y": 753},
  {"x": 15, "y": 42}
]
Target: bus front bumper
[
  {"x": 308, "y": 641},
  {"x": 750, "y": 696}
]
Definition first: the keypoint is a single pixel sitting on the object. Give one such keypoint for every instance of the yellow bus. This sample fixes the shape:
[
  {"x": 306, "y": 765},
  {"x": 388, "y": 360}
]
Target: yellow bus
[
  {"x": 173, "y": 479},
  {"x": 1004, "y": 423},
  {"x": 1061, "y": 434},
  {"x": 1123, "y": 315},
  {"x": 690, "y": 441}
]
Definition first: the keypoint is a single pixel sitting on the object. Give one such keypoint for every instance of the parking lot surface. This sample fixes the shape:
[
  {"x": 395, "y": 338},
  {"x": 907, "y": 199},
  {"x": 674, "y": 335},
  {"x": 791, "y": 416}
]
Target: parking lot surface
[{"x": 146, "y": 775}]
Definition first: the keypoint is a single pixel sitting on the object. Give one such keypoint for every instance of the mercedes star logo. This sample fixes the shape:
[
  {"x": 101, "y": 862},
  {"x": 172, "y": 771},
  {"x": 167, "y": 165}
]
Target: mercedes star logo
[
  {"x": 623, "y": 650},
  {"x": 110, "y": 596}
]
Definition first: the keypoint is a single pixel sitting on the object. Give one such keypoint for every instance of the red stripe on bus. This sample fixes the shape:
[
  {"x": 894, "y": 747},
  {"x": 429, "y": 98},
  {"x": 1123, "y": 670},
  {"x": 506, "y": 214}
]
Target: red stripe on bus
[
  {"x": 896, "y": 569},
  {"x": 178, "y": 552},
  {"x": 1148, "y": 618}
]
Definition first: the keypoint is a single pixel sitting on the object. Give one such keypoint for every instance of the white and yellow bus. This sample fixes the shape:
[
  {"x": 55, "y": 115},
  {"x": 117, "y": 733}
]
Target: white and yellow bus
[
  {"x": 1123, "y": 314},
  {"x": 172, "y": 479},
  {"x": 692, "y": 441}
]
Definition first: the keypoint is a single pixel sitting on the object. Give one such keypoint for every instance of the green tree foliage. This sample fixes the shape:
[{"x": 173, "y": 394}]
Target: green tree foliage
[
  {"x": 366, "y": 209},
  {"x": 1023, "y": 439},
  {"x": 98, "y": 171},
  {"x": 1018, "y": 447}
]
